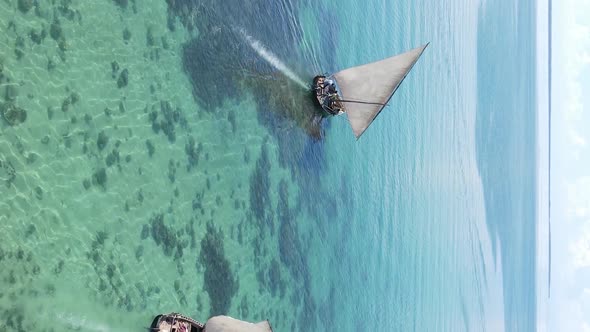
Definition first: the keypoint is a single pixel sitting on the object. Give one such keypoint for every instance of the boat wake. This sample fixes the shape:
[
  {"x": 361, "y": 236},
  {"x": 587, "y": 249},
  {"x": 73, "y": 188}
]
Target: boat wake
[{"x": 272, "y": 59}]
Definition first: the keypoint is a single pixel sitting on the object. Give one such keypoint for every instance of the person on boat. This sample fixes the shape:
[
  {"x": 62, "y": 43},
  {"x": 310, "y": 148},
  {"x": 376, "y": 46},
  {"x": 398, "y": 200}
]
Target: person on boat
[
  {"x": 318, "y": 85},
  {"x": 324, "y": 86},
  {"x": 326, "y": 93}
]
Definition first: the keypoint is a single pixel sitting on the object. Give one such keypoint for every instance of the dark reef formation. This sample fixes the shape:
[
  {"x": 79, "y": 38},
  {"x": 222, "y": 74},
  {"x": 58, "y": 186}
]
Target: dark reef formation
[
  {"x": 260, "y": 186},
  {"x": 55, "y": 30},
  {"x": 290, "y": 247},
  {"x": 51, "y": 18},
  {"x": 275, "y": 284},
  {"x": 99, "y": 177},
  {"x": 220, "y": 283},
  {"x": 25, "y": 5},
  {"x": 171, "y": 241},
  {"x": 150, "y": 147},
  {"x": 12, "y": 114},
  {"x": 109, "y": 270},
  {"x": 70, "y": 100},
  {"x": 19, "y": 46},
  {"x": 38, "y": 37},
  {"x": 114, "y": 69},
  {"x": 193, "y": 152},
  {"x": 102, "y": 140},
  {"x": 57, "y": 34},
  {"x": 112, "y": 158},
  {"x": 171, "y": 171},
  {"x": 122, "y": 3},
  {"x": 21, "y": 276},
  {"x": 167, "y": 119},
  {"x": 123, "y": 79},
  {"x": 126, "y": 35}
]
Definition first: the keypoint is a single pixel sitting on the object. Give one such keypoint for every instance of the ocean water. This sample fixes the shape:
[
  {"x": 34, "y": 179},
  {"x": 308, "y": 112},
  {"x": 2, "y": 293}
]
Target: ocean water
[{"x": 171, "y": 160}]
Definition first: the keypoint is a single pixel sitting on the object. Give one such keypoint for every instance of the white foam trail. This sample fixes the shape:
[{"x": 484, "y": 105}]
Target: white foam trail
[{"x": 272, "y": 59}]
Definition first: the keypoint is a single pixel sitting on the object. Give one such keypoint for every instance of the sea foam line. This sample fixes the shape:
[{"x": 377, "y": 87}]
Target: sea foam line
[{"x": 272, "y": 59}]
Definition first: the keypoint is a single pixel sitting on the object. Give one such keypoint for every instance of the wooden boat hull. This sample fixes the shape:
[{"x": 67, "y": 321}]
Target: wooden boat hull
[{"x": 329, "y": 104}]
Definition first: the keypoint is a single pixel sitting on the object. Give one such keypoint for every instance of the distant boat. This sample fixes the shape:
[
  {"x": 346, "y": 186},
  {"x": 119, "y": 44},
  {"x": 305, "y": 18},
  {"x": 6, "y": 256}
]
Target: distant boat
[
  {"x": 363, "y": 91},
  {"x": 174, "y": 322}
]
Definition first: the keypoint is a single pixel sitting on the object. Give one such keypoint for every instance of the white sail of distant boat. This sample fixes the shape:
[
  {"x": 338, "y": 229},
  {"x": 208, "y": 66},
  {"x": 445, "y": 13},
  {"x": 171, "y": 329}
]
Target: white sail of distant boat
[
  {"x": 366, "y": 89},
  {"x": 228, "y": 324}
]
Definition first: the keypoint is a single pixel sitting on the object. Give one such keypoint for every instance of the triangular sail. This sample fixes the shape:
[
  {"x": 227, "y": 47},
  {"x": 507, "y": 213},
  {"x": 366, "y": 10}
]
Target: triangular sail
[
  {"x": 366, "y": 89},
  {"x": 228, "y": 324}
]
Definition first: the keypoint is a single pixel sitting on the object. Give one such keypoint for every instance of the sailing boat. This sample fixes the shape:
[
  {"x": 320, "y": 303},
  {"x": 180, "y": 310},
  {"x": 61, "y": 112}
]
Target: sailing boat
[
  {"x": 175, "y": 322},
  {"x": 363, "y": 91}
]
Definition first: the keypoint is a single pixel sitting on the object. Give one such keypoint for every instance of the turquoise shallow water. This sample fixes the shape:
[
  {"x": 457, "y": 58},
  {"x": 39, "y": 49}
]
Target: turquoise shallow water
[{"x": 165, "y": 165}]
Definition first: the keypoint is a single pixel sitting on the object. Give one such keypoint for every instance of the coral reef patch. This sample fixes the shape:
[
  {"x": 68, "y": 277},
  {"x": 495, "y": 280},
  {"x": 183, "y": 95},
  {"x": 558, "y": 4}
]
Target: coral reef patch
[
  {"x": 12, "y": 114},
  {"x": 220, "y": 283}
]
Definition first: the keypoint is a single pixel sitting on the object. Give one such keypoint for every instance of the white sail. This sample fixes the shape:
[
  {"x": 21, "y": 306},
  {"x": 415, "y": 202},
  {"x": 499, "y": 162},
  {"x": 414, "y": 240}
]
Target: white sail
[
  {"x": 228, "y": 324},
  {"x": 366, "y": 89}
]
